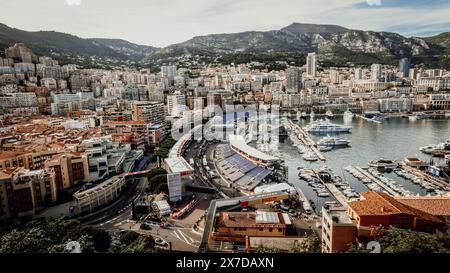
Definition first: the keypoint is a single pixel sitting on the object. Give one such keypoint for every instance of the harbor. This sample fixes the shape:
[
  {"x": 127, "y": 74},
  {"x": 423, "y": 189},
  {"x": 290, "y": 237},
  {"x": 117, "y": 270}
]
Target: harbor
[
  {"x": 301, "y": 138},
  {"x": 371, "y": 141}
]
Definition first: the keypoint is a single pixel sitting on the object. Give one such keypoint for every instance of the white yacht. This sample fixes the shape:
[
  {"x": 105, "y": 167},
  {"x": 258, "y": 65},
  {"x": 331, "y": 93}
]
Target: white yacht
[
  {"x": 329, "y": 114},
  {"x": 324, "y": 148},
  {"x": 412, "y": 118},
  {"x": 323, "y": 127},
  {"x": 333, "y": 142},
  {"x": 383, "y": 163},
  {"x": 310, "y": 157}
]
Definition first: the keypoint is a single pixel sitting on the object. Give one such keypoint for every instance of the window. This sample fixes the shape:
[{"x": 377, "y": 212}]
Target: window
[
  {"x": 279, "y": 230},
  {"x": 270, "y": 229},
  {"x": 261, "y": 229}
]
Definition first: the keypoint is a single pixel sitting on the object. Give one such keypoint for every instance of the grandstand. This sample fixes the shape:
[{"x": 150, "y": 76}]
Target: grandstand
[{"x": 242, "y": 172}]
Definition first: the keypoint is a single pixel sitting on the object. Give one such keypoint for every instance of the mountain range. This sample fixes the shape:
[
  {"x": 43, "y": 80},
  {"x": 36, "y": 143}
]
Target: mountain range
[{"x": 334, "y": 44}]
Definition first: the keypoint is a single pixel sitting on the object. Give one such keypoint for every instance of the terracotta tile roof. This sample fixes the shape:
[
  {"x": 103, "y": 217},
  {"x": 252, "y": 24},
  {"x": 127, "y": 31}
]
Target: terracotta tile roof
[
  {"x": 7, "y": 173},
  {"x": 379, "y": 203},
  {"x": 435, "y": 205}
]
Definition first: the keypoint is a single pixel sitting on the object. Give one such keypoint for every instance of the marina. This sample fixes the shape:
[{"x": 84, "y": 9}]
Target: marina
[
  {"x": 371, "y": 142},
  {"x": 302, "y": 141}
]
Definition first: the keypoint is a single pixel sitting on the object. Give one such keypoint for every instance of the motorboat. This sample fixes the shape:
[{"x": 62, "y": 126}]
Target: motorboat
[
  {"x": 429, "y": 149},
  {"x": 323, "y": 148},
  {"x": 329, "y": 114},
  {"x": 383, "y": 163},
  {"x": 310, "y": 157},
  {"x": 323, "y": 194},
  {"x": 323, "y": 127},
  {"x": 333, "y": 142},
  {"x": 422, "y": 116},
  {"x": 378, "y": 118},
  {"x": 412, "y": 117}
]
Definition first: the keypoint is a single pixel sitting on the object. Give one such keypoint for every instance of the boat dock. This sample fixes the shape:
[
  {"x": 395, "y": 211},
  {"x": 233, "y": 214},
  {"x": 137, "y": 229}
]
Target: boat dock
[
  {"x": 377, "y": 181},
  {"x": 304, "y": 200},
  {"x": 305, "y": 139},
  {"x": 368, "y": 119},
  {"x": 428, "y": 178},
  {"x": 338, "y": 195}
]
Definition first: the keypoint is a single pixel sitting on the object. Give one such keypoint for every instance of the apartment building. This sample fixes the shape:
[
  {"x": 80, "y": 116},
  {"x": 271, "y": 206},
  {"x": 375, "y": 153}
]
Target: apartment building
[{"x": 23, "y": 193}]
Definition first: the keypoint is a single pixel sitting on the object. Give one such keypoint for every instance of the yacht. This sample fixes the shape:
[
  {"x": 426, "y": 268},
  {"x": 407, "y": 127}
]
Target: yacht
[
  {"x": 312, "y": 115},
  {"x": 323, "y": 194},
  {"x": 348, "y": 114},
  {"x": 383, "y": 163},
  {"x": 310, "y": 157},
  {"x": 378, "y": 118},
  {"x": 412, "y": 118},
  {"x": 329, "y": 114},
  {"x": 325, "y": 148},
  {"x": 429, "y": 149},
  {"x": 422, "y": 116},
  {"x": 333, "y": 142},
  {"x": 304, "y": 114},
  {"x": 323, "y": 127}
]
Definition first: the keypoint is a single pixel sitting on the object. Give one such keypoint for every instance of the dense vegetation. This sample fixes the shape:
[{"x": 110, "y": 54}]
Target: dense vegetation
[
  {"x": 158, "y": 181},
  {"x": 53, "y": 236},
  {"x": 397, "y": 240},
  {"x": 164, "y": 148}
]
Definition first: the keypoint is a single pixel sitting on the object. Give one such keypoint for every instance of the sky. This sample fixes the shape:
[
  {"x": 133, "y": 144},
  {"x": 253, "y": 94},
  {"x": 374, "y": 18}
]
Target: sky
[{"x": 164, "y": 22}]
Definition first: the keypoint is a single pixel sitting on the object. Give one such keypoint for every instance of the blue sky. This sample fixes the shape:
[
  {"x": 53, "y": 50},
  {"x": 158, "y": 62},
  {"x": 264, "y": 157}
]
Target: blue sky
[{"x": 164, "y": 22}]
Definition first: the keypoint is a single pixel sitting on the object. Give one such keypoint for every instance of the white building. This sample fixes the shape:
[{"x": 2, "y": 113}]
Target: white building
[{"x": 311, "y": 65}]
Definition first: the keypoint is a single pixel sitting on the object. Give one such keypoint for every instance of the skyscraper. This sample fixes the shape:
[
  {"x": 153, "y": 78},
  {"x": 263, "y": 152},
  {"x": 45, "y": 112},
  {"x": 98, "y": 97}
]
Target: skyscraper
[
  {"x": 293, "y": 80},
  {"x": 311, "y": 62},
  {"x": 175, "y": 104},
  {"x": 358, "y": 74},
  {"x": 169, "y": 71},
  {"x": 403, "y": 66},
  {"x": 376, "y": 71}
]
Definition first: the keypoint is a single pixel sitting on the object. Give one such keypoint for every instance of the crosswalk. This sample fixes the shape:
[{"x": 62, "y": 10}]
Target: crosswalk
[{"x": 179, "y": 234}]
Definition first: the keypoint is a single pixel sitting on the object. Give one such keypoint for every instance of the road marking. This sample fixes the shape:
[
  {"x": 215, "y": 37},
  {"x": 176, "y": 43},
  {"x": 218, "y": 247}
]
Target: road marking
[{"x": 176, "y": 234}]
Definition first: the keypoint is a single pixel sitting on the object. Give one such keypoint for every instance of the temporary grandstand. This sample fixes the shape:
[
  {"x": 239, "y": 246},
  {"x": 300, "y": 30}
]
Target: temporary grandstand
[{"x": 238, "y": 170}]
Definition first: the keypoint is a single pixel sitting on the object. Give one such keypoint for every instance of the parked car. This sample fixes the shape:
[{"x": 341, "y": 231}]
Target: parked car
[
  {"x": 160, "y": 242},
  {"x": 146, "y": 226}
]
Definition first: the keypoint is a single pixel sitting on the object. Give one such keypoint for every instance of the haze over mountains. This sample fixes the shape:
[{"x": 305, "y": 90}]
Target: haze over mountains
[{"x": 331, "y": 42}]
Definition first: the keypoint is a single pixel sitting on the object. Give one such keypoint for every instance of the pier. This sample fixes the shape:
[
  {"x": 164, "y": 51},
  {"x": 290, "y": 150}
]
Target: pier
[
  {"x": 305, "y": 139},
  {"x": 428, "y": 178},
  {"x": 338, "y": 195},
  {"x": 303, "y": 199},
  {"x": 377, "y": 181}
]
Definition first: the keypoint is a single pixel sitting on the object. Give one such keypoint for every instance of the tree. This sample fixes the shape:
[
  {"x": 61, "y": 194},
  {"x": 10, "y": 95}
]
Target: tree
[
  {"x": 133, "y": 242},
  {"x": 157, "y": 180},
  {"x": 263, "y": 249},
  {"x": 397, "y": 240}
]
